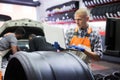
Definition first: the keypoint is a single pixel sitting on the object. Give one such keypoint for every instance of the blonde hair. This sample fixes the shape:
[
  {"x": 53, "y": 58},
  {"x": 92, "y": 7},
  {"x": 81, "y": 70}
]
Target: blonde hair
[{"x": 81, "y": 11}]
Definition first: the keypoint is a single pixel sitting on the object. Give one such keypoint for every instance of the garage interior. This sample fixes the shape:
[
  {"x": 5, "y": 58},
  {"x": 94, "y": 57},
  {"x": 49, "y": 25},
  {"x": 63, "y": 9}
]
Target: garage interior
[{"x": 108, "y": 65}]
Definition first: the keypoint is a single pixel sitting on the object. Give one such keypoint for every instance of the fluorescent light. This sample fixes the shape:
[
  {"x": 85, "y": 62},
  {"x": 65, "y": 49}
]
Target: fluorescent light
[{"x": 35, "y": 0}]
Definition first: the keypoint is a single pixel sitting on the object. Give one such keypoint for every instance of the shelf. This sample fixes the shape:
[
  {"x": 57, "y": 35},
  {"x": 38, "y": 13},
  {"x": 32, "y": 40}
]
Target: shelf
[
  {"x": 69, "y": 22},
  {"x": 101, "y": 19},
  {"x": 62, "y": 12},
  {"x": 99, "y": 13},
  {"x": 97, "y": 20},
  {"x": 102, "y": 4},
  {"x": 61, "y": 22}
]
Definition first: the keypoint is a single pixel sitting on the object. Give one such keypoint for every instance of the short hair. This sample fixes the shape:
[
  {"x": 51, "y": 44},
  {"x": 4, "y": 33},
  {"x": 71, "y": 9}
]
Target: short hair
[
  {"x": 20, "y": 30},
  {"x": 32, "y": 35},
  {"x": 81, "y": 11}
]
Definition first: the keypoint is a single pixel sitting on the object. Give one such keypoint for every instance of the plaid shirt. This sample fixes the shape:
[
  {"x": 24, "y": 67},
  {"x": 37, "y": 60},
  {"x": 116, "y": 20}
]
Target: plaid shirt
[{"x": 95, "y": 39}]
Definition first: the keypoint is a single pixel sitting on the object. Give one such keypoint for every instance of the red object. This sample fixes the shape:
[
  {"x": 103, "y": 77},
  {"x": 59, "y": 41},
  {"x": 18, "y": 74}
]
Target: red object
[{"x": 1, "y": 75}]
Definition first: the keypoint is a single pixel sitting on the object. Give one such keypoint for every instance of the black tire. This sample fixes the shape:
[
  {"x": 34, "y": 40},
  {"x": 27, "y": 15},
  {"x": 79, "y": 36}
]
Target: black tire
[{"x": 47, "y": 65}]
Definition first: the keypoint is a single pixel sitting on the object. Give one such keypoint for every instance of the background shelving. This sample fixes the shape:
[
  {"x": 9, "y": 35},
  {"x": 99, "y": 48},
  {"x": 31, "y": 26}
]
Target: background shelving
[
  {"x": 62, "y": 14},
  {"x": 102, "y": 9},
  {"x": 94, "y": 3}
]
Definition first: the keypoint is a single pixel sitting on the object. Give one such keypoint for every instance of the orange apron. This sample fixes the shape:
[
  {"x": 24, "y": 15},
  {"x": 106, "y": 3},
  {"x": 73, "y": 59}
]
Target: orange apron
[{"x": 81, "y": 41}]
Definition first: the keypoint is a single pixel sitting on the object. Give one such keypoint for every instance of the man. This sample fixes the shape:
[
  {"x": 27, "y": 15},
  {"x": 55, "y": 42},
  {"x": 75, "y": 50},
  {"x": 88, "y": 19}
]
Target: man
[
  {"x": 39, "y": 43},
  {"x": 9, "y": 42},
  {"x": 83, "y": 37}
]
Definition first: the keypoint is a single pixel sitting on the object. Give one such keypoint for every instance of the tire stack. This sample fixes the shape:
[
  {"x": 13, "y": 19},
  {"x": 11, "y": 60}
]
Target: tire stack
[
  {"x": 113, "y": 76},
  {"x": 106, "y": 11}
]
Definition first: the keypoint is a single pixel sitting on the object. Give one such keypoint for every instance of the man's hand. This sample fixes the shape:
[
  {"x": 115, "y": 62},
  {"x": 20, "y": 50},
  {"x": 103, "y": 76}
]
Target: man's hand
[{"x": 57, "y": 46}]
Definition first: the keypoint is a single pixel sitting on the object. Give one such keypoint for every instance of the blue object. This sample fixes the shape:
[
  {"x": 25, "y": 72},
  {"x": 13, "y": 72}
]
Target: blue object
[
  {"x": 77, "y": 47},
  {"x": 57, "y": 46}
]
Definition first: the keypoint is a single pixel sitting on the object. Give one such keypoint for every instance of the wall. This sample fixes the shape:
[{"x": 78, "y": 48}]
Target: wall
[{"x": 18, "y": 11}]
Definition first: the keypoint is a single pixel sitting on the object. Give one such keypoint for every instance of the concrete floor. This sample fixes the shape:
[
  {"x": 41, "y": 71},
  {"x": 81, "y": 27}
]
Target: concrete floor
[{"x": 106, "y": 66}]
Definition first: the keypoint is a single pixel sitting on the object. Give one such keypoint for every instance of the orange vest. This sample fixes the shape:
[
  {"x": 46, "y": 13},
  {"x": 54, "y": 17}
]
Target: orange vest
[{"x": 81, "y": 41}]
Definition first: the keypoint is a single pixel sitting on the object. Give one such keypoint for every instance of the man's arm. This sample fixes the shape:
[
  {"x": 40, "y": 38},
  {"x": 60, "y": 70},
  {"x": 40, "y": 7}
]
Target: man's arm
[
  {"x": 97, "y": 49},
  {"x": 87, "y": 51},
  {"x": 93, "y": 55},
  {"x": 14, "y": 49}
]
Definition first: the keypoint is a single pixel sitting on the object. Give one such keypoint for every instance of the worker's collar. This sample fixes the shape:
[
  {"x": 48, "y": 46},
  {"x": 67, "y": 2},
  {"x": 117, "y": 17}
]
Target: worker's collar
[{"x": 83, "y": 29}]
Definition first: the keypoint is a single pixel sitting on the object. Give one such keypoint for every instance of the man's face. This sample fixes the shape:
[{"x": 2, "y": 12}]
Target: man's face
[{"x": 81, "y": 20}]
